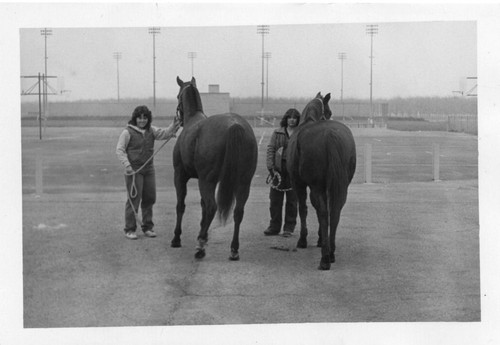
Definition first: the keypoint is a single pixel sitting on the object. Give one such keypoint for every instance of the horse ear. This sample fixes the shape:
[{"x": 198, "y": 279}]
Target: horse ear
[
  {"x": 318, "y": 95},
  {"x": 193, "y": 81},
  {"x": 179, "y": 81},
  {"x": 327, "y": 98}
]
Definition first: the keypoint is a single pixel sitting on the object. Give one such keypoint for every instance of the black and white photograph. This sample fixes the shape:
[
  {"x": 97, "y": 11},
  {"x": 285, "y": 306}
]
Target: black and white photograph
[{"x": 299, "y": 173}]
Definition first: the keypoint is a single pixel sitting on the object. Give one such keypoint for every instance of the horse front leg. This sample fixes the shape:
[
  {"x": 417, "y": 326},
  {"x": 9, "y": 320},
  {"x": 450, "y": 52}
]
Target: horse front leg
[
  {"x": 319, "y": 201},
  {"x": 181, "y": 191},
  {"x": 208, "y": 210},
  {"x": 301, "y": 192}
]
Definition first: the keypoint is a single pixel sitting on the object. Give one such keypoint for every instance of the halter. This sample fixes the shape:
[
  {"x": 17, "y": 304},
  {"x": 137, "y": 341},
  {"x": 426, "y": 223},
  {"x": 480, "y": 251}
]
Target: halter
[
  {"x": 322, "y": 115},
  {"x": 180, "y": 107},
  {"x": 322, "y": 108}
]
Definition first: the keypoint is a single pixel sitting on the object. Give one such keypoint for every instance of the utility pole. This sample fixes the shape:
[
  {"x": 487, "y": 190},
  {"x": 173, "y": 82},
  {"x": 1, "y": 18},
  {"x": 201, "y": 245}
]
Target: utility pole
[
  {"x": 262, "y": 30},
  {"x": 192, "y": 56},
  {"x": 267, "y": 56},
  {"x": 154, "y": 31},
  {"x": 45, "y": 32},
  {"x": 39, "y": 107},
  {"x": 371, "y": 29},
  {"x": 342, "y": 57},
  {"x": 117, "y": 56}
]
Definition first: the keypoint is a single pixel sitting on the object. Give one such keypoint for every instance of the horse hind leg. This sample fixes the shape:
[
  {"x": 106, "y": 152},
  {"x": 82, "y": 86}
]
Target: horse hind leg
[
  {"x": 319, "y": 201},
  {"x": 241, "y": 199},
  {"x": 302, "y": 204},
  {"x": 181, "y": 191},
  {"x": 209, "y": 208},
  {"x": 335, "y": 210}
]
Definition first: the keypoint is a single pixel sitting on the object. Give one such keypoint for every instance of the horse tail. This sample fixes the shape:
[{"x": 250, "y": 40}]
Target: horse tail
[
  {"x": 338, "y": 173},
  {"x": 230, "y": 171}
]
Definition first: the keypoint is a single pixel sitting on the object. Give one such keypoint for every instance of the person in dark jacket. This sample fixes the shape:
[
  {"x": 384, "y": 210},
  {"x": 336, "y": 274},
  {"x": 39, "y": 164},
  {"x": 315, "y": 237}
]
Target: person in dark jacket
[
  {"x": 135, "y": 150},
  {"x": 281, "y": 186}
]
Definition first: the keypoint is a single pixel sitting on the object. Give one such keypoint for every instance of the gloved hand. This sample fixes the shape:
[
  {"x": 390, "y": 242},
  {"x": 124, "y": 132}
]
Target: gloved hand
[{"x": 129, "y": 170}]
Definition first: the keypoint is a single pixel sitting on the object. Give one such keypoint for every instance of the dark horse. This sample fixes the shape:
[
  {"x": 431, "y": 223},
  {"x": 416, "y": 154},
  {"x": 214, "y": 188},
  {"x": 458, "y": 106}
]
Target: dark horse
[
  {"x": 321, "y": 155},
  {"x": 219, "y": 150}
]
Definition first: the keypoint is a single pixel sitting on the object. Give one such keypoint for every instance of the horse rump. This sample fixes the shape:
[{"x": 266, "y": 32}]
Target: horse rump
[{"x": 237, "y": 168}]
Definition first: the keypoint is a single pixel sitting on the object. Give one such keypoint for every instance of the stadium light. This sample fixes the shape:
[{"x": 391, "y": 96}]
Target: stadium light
[
  {"x": 371, "y": 29},
  {"x": 192, "y": 56},
  {"x": 154, "y": 31},
  {"x": 262, "y": 30},
  {"x": 342, "y": 57},
  {"x": 117, "y": 56},
  {"x": 267, "y": 56}
]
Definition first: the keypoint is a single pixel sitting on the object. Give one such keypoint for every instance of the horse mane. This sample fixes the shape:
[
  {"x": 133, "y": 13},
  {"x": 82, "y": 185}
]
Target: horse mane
[
  {"x": 313, "y": 111},
  {"x": 195, "y": 94}
]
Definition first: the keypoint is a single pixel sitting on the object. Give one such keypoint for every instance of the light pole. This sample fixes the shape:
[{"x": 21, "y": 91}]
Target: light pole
[
  {"x": 192, "y": 56},
  {"x": 342, "y": 57},
  {"x": 371, "y": 29},
  {"x": 154, "y": 31},
  {"x": 117, "y": 56},
  {"x": 45, "y": 32},
  {"x": 267, "y": 56},
  {"x": 262, "y": 30}
]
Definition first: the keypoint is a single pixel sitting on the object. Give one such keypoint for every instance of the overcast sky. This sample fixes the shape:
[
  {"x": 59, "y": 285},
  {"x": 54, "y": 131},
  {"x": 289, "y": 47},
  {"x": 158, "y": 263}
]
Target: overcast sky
[{"x": 410, "y": 59}]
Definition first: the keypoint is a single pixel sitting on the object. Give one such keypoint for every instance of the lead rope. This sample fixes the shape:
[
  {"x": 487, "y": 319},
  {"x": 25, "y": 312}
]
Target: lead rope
[
  {"x": 271, "y": 178},
  {"x": 133, "y": 188}
]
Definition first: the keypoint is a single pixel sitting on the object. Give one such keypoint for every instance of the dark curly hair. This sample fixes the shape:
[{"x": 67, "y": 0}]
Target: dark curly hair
[
  {"x": 292, "y": 112},
  {"x": 138, "y": 111}
]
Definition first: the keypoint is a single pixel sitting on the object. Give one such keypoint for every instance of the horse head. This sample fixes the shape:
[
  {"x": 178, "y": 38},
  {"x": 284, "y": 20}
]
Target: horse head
[
  {"x": 327, "y": 112},
  {"x": 317, "y": 109},
  {"x": 188, "y": 99}
]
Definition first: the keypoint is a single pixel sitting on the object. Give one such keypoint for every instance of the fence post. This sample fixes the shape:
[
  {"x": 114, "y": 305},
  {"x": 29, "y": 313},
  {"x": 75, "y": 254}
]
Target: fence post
[
  {"x": 39, "y": 172},
  {"x": 368, "y": 163},
  {"x": 435, "y": 163}
]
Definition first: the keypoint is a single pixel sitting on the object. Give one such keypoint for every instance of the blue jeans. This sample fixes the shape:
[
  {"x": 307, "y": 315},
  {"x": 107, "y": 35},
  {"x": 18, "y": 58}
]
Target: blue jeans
[{"x": 145, "y": 183}]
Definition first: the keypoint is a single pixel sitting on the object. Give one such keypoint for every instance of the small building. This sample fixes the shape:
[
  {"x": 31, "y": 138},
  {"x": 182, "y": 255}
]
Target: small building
[{"x": 214, "y": 101}]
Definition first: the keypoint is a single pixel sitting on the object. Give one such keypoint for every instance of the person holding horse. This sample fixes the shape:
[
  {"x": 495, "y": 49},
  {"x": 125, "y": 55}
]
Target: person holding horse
[
  {"x": 135, "y": 150},
  {"x": 279, "y": 178}
]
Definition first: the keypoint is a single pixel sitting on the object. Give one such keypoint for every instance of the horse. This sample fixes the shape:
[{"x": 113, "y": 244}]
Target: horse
[
  {"x": 221, "y": 152},
  {"x": 321, "y": 155}
]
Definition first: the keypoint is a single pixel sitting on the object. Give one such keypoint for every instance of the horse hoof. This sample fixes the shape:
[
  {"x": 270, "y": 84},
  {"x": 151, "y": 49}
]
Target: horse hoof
[
  {"x": 175, "y": 244},
  {"x": 302, "y": 243},
  {"x": 234, "y": 256},
  {"x": 324, "y": 264},
  {"x": 200, "y": 254}
]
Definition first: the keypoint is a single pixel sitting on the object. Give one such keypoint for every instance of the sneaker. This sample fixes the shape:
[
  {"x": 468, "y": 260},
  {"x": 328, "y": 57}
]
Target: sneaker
[
  {"x": 131, "y": 235},
  {"x": 287, "y": 234},
  {"x": 150, "y": 233}
]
